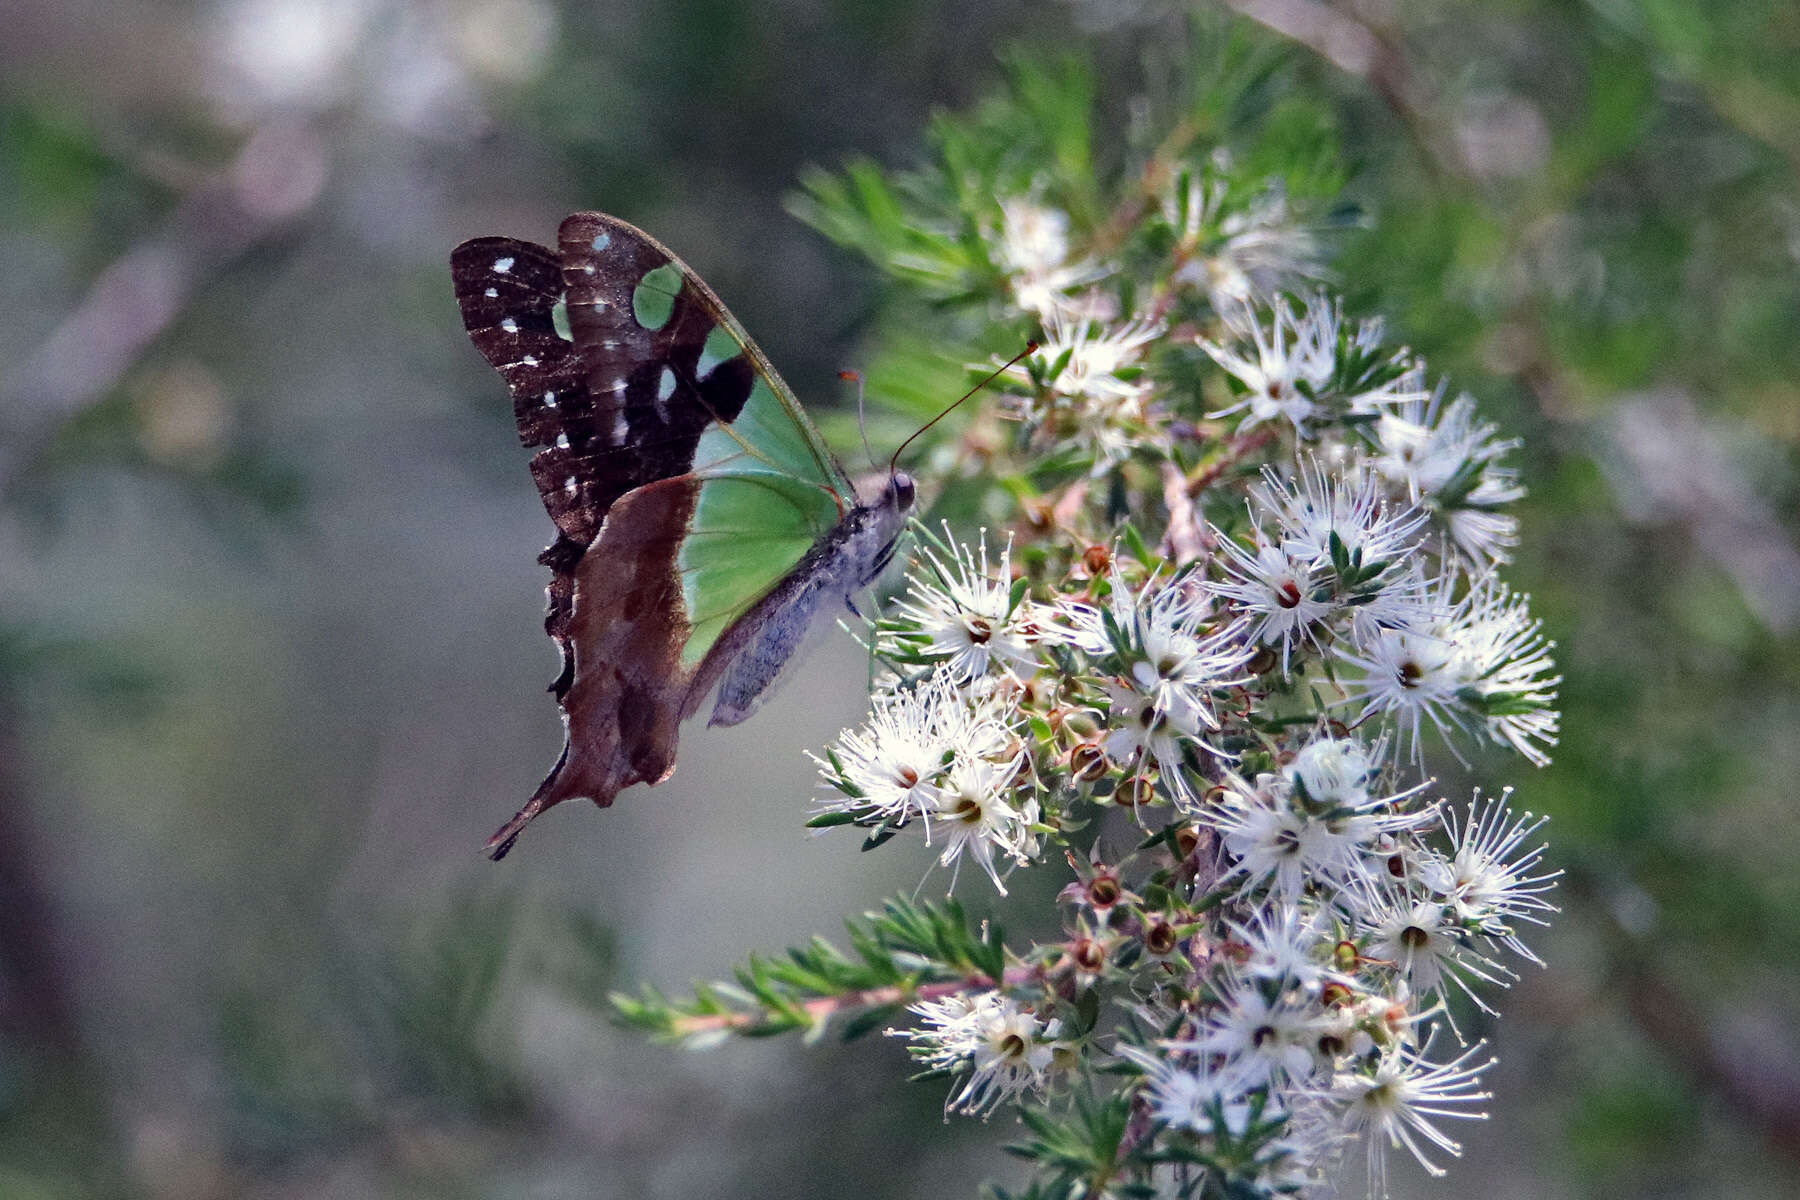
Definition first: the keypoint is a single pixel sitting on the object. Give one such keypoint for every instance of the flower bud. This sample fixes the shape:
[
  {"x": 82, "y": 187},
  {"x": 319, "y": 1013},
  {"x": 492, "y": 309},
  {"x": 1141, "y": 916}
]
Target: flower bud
[
  {"x": 1087, "y": 762},
  {"x": 1088, "y": 955},
  {"x": 1081, "y": 722},
  {"x": 1135, "y": 792}
]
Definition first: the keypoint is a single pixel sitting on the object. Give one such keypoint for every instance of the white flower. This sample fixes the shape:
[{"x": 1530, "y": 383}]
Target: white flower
[
  {"x": 1334, "y": 772},
  {"x": 1393, "y": 1102},
  {"x": 1506, "y": 660},
  {"x": 1188, "y": 1100},
  {"x": 1288, "y": 364},
  {"x": 1191, "y": 1099},
  {"x": 1096, "y": 353},
  {"x": 1397, "y": 600},
  {"x": 1318, "y": 507},
  {"x": 1276, "y": 835},
  {"x": 1448, "y": 462},
  {"x": 1260, "y": 1040},
  {"x": 1483, "y": 666},
  {"x": 1285, "y": 598},
  {"x": 1419, "y": 938},
  {"x": 891, "y": 766},
  {"x": 1166, "y": 669},
  {"x": 1408, "y": 674},
  {"x": 1094, "y": 399},
  {"x": 1488, "y": 878},
  {"x": 1006, "y": 1049},
  {"x": 1305, "y": 368},
  {"x": 1335, "y": 548},
  {"x": 1344, "y": 1030},
  {"x": 1284, "y": 945},
  {"x": 1368, "y": 398},
  {"x": 976, "y": 817},
  {"x": 962, "y": 611},
  {"x": 1261, "y": 250},
  {"x": 1033, "y": 250},
  {"x": 1034, "y": 239}
]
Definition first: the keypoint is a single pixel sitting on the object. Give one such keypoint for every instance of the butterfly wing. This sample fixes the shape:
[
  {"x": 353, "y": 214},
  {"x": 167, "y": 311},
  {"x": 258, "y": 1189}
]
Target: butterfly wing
[{"x": 683, "y": 477}]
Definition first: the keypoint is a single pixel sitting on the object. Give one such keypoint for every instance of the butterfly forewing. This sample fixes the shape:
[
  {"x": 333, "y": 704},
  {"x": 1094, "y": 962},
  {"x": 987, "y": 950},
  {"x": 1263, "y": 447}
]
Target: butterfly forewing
[
  {"x": 508, "y": 291},
  {"x": 659, "y": 338},
  {"x": 670, "y": 362}
]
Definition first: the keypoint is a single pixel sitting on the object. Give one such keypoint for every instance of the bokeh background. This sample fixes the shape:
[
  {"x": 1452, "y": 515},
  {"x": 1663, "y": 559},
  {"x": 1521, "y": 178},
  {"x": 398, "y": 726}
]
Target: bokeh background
[{"x": 271, "y": 664}]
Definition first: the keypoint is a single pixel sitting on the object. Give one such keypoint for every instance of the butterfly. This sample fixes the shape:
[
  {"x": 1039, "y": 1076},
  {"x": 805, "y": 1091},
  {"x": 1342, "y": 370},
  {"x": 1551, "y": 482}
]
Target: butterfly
[{"x": 701, "y": 524}]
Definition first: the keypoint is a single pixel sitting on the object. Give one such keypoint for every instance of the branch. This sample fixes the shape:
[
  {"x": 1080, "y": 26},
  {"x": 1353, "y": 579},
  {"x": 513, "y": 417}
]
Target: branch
[
  {"x": 1358, "y": 49},
  {"x": 273, "y": 181},
  {"x": 826, "y": 1007},
  {"x": 1236, "y": 451},
  {"x": 36, "y": 1008}
]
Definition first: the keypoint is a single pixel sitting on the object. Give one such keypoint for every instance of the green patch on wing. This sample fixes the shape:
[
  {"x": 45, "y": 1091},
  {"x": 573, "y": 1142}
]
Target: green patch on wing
[
  {"x": 653, "y": 300},
  {"x": 767, "y": 497}
]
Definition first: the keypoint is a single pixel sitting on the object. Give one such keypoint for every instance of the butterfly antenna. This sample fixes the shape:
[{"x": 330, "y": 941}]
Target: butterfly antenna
[
  {"x": 862, "y": 422},
  {"x": 1030, "y": 347}
]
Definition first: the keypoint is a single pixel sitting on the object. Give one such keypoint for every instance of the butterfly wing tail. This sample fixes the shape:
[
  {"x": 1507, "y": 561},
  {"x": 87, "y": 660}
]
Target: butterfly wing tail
[
  {"x": 504, "y": 837},
  {"x": 626, "y": 755}
]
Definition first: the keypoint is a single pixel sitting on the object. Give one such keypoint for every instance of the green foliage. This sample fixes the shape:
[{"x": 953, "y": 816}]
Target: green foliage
[{"x": 892, "y": 955}]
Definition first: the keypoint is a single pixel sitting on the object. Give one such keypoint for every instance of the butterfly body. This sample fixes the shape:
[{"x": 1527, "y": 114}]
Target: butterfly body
[
  {"x": 841, "y": 564},
  {"x": 702, "y": 527}
]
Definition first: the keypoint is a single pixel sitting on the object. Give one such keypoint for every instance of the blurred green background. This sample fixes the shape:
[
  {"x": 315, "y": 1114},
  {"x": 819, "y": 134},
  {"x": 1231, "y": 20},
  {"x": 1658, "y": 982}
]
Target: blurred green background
[{"x": 271, "y": 663}]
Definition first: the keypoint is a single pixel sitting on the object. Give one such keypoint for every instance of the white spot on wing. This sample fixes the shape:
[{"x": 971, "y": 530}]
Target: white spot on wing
[
  {"x": 492, "y": 293},
  {"x": 665, "y": 387},
  {"x": 562, "y": 441},
  {"x": 530, "y": 360},
  {"x": 503, "y": 265},
  {"x": 549, "y": 399},
  {"x": 602, "y": 240},
  {"x": 621, "y": 427},
  {"x": 510, "y": 325}
]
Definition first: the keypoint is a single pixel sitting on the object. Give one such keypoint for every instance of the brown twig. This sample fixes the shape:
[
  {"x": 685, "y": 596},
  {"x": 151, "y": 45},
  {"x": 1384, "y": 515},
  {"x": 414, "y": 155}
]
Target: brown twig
[{"x": 1240, "y": 448}]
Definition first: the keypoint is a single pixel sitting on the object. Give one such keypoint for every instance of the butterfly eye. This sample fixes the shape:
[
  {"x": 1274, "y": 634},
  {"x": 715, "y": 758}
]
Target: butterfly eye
[{"x": 903, "y": 489}]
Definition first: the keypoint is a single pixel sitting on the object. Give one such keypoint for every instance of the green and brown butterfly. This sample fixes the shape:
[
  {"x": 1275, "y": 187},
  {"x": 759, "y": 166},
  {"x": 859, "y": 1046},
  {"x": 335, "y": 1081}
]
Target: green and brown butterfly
[{"x": 702, "y": 525}]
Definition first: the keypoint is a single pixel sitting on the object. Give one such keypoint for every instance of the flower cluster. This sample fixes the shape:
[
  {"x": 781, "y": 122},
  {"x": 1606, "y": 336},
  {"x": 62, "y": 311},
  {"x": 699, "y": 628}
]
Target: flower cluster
[
  {"x": 1222, "y": 641},
  {"x": 1249, "y": 585},
  {"x": 1003, "y": 1047},
  {"x": 942, "y": 757}
]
